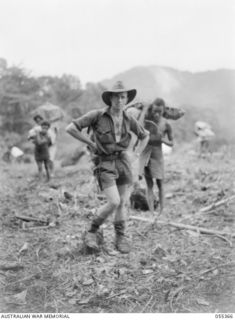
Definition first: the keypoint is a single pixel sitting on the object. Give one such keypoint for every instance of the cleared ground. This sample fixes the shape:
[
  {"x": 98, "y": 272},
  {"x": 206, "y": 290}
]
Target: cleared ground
[{"x": 169, "y": 269}]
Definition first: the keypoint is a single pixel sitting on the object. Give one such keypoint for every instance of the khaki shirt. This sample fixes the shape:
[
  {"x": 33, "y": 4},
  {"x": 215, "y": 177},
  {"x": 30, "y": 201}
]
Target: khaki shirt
[{"x": 102, "y": 125}]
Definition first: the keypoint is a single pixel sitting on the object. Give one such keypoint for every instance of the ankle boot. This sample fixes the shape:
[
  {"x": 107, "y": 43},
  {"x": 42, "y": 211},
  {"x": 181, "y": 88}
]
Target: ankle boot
[
  {"x": 121, "y": 242},
  {"x": 91, "y": 240}
]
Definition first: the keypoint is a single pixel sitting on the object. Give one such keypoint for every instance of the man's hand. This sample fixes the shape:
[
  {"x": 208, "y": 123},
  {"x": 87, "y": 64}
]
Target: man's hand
[{"x": 92, "y": 147}]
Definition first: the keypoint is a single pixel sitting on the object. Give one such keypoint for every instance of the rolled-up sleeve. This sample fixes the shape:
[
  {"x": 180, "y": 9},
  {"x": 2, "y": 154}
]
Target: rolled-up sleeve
[
  {"x": 86, "y": 120},
  {"x": 137, "y": 128}
]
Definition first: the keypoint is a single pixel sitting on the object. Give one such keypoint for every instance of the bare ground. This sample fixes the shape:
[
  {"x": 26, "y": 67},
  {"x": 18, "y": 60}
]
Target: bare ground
[{"x": 168, "y": 269}]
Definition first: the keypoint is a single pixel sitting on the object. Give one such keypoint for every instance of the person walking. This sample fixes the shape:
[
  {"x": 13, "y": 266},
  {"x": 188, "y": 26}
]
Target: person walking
[{"x": 111, "y": 128}]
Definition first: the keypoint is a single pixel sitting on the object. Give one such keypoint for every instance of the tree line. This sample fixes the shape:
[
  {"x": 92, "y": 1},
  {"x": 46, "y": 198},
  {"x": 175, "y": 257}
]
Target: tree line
[{"x": 21, "y": 93}]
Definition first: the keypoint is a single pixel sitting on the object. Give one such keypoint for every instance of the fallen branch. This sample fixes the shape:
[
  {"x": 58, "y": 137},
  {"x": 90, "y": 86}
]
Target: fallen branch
[
  {"x": 140, "y": 234},
  {"x": 225, "y": 239},
  {"x": 216, "y": 204},
  {"x": 115, "y": 295},
  {"x": 147, "y": 304},
  {"x": 23, "y": 279},
  {"x": 217, "y": 267},
  {"x": 12, "y": 267},
  {"x": 184, "y": 226},
  {"x": 26, "y": 218},
  {"x": 37, "y": 228},
  {"x": 142, "y": 219}
]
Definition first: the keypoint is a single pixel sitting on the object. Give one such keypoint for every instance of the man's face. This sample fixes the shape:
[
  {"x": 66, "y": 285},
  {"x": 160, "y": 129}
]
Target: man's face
[
  {"x": 118, "y": 100},
  {"x": 157, "y": 112}
]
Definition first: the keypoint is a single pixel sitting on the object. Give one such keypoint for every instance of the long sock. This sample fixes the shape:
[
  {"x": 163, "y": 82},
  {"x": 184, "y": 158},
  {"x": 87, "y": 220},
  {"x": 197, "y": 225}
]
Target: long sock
[
  {"x": 119, "y": 227},
  {"x": 96, "y": 224}
]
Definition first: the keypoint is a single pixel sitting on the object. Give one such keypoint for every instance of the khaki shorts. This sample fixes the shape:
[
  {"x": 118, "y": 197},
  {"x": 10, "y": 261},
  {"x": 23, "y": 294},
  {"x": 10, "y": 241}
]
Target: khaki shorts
[{"x": 114, "y": 172}]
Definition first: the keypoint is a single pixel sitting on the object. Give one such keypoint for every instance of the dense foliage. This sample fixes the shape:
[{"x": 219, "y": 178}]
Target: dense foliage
[{"x": 21, "y": 93}]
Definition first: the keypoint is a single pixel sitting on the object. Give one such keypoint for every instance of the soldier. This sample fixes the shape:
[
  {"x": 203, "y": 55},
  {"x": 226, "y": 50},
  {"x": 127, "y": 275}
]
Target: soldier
[{"x": 111, "y": 134}]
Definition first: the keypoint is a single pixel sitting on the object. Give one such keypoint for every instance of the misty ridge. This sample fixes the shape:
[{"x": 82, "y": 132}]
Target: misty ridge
[{"x": 206, "y": 96}]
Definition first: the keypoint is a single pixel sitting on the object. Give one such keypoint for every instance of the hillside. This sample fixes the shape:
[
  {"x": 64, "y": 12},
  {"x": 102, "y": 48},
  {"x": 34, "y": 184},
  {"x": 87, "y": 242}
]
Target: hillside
[
  {"x": 206, "y": 95},
  {"x": 203, "y": 89}
]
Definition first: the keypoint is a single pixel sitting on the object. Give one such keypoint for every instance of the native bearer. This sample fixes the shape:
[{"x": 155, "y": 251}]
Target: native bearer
[
  {"x": 111, "y": 134},
  {"x": 151, "y": 160}
]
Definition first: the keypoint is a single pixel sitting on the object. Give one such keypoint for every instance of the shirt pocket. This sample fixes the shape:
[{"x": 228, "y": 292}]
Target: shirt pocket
[{"x": 105, "y": 136}]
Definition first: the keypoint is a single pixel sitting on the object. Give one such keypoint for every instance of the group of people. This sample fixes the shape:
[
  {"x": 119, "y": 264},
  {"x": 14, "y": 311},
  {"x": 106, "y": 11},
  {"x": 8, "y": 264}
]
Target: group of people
[{"x": 110, "y": 140}]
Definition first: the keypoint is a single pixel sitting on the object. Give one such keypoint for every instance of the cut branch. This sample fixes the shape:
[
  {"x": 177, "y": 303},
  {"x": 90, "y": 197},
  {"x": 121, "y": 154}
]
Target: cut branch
[
  {"x": 27, "y": 219},
  {"x": 37, "y": 228},
  {"x": 184, "y": 226},
  {"x": 217, "y": 267},
  {"x": 216, "y": 204}
]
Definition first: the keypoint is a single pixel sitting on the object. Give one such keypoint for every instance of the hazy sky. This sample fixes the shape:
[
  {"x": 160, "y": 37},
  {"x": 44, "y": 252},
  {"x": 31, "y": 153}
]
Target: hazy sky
[{"x": 95, "y": 39}]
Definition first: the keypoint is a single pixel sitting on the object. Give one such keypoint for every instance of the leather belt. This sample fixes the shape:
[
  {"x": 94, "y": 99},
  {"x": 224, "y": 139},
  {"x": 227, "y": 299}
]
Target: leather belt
[{"x": 113, "y": 156}]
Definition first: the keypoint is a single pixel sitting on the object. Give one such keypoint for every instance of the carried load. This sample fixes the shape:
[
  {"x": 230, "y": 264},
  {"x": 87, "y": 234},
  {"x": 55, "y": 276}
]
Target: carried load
[
  {"x": 203, "y": 130},
  {"x": 49, "y": 112},
  {"x": 138, "y": 110},
  {"x": 54, "y": 115}
]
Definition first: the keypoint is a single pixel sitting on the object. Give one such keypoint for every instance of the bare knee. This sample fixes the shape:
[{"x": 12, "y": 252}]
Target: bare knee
[
  {"x": 122, "y": 203},
  {"x": 114, "y": 203},
  {"x": 113, "y": 198}
]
